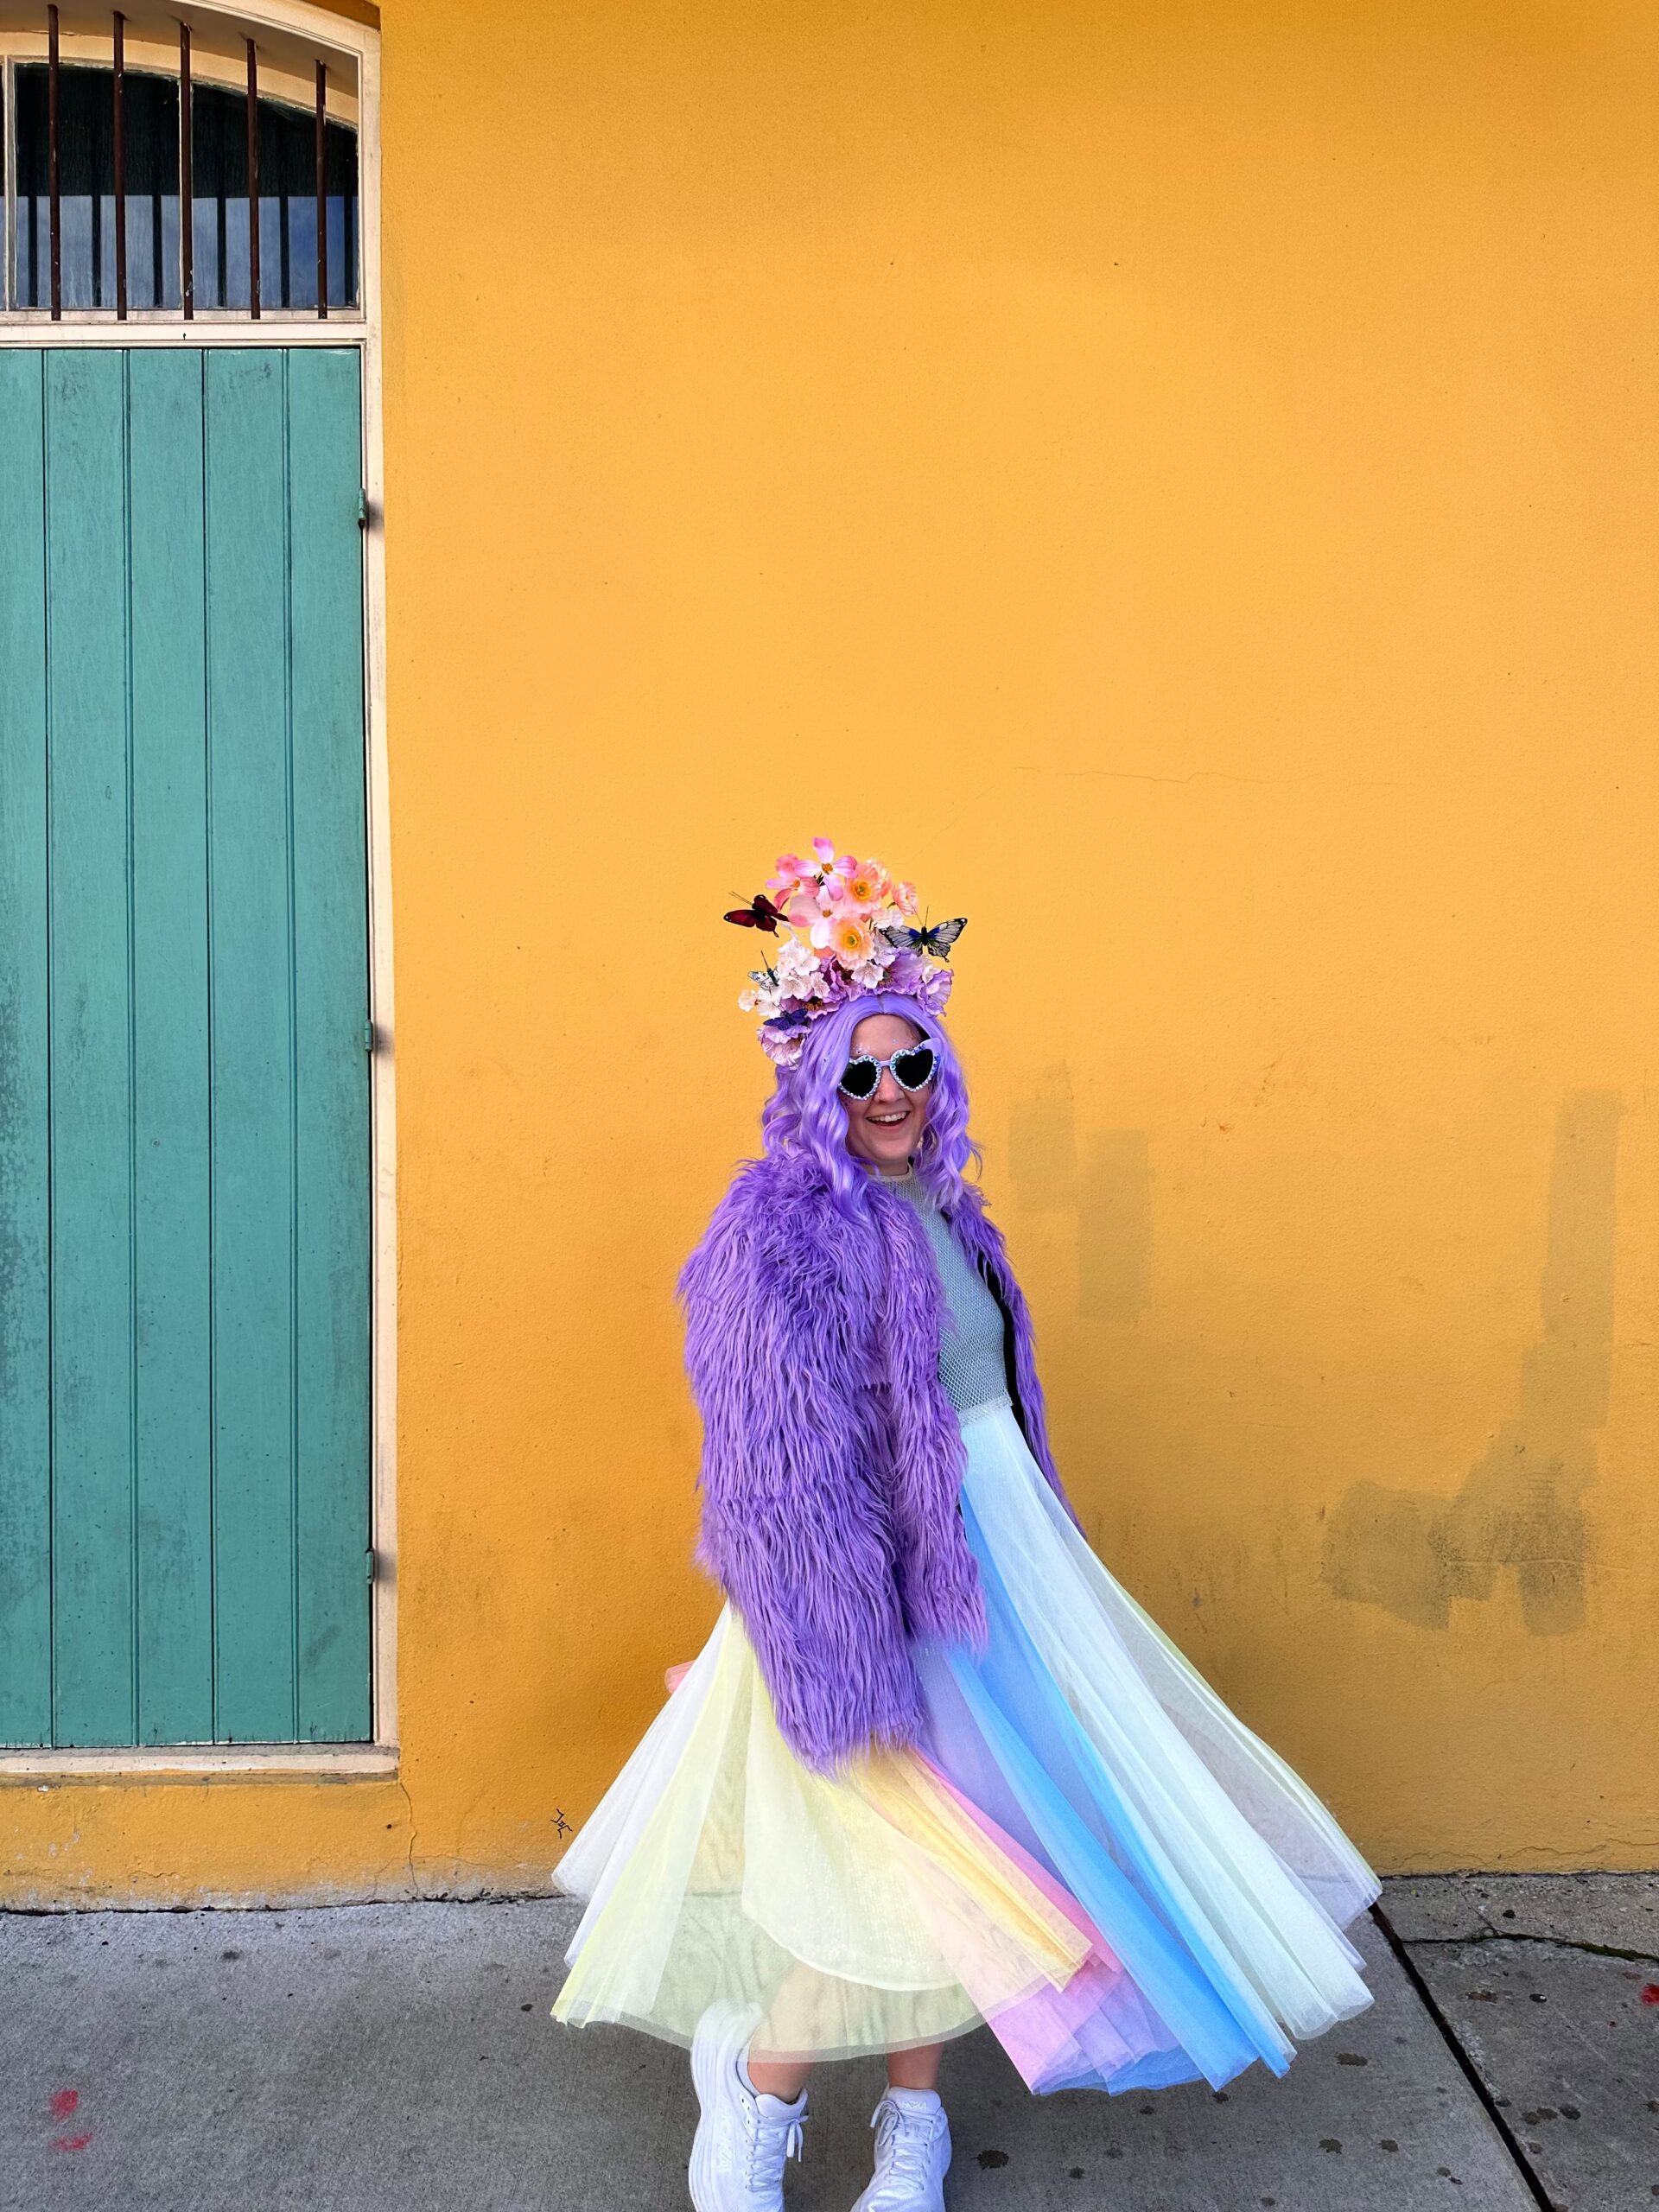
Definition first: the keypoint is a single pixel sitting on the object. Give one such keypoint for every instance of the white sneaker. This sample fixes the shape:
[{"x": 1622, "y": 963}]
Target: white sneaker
[
  {"x": 744, "y": 2135},
  {"x": 912, "y": 2153}
]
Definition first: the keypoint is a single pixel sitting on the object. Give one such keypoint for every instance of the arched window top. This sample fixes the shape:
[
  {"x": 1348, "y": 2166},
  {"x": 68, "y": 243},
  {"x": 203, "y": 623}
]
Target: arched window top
[{"x": 159, "y": 168}]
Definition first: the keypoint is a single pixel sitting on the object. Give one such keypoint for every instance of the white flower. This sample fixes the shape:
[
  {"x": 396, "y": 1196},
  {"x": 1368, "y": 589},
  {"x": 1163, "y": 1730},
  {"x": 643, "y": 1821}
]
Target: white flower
[{"x": 799, "y": 974}]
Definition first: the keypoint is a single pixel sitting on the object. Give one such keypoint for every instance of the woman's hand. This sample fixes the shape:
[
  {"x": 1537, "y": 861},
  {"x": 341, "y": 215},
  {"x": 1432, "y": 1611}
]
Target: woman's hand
[{"x": 675, "y": 1676}]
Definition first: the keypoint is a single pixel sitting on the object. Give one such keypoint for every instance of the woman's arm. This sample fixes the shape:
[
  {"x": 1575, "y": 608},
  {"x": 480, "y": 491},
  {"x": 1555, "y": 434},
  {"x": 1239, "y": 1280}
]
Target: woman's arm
[{"x": 794, "y": 1528}]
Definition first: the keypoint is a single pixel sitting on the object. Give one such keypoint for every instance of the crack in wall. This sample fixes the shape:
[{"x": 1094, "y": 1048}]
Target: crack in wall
[{"x": 403, "y": 1791}]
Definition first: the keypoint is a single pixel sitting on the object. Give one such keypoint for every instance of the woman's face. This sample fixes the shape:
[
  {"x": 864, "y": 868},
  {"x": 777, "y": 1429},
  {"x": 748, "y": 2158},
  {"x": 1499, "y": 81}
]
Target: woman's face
[{"x": 886, "y": 1128}]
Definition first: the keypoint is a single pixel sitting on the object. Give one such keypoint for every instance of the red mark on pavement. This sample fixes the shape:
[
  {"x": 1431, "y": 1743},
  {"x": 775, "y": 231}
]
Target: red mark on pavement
[
  {"x": 1651, "y": 1994},
  {"x": 64, "y": 2102}
]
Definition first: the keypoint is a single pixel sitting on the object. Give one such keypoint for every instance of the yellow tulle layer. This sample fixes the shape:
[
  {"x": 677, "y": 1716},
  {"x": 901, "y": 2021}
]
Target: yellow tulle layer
[{"x": 868, "y": 1912}]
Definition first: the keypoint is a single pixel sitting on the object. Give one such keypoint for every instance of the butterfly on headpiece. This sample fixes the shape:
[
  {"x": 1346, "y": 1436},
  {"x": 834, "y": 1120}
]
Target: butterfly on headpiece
[
  {"x": 938, "y": 940},
  {"x": 759, "y": 914}
]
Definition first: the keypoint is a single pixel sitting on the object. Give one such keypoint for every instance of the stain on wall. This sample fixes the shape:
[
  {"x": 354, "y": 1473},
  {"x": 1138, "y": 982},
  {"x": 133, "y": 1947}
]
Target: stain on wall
[
  {"x": 1518, "y": 1513},
  {"x": 1115, "y": 1226},
  {"x": 1104, "y": 1184},
  {"x": 1042, "y": 1144}
]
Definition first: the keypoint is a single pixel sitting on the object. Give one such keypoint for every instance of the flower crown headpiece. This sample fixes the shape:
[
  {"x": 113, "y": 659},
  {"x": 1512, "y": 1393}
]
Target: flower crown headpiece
[{"x": 845, "y": 928}]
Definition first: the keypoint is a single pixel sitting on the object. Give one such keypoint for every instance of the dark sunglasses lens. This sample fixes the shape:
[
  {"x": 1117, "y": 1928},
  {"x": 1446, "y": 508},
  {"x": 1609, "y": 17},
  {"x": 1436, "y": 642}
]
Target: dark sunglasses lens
[
  {"x": 914, "y": 1069},
  {"x": 859, "y": 1079}
]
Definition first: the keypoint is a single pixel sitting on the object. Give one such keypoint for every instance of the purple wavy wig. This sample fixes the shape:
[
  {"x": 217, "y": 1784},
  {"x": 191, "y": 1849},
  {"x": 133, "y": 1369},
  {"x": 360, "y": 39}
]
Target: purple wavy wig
[{"x": 805, "y": 1115}]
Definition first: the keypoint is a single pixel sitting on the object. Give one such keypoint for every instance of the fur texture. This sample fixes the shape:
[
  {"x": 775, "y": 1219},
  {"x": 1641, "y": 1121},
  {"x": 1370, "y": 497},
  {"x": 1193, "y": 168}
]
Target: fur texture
[{"x": 831, "y": 1456}]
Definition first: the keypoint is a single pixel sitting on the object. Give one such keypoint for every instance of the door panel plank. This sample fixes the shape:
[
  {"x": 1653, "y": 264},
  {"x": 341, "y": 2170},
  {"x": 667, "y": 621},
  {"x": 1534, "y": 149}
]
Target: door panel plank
[
  {"x": 251, "y": 1004},
  {"x": 331, "y": 991},
  {"x": 25, "y": 1400},
  {"x": 172, "y": 1241},
  {"x": 91, "y": 1067}
]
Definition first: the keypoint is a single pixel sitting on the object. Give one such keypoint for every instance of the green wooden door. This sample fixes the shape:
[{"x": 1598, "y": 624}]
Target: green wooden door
[{"x": 184, "y": 1084}]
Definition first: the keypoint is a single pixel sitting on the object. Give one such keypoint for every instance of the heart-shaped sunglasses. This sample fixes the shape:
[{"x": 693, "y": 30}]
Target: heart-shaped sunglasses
[{"x": 913, "y": 1070}]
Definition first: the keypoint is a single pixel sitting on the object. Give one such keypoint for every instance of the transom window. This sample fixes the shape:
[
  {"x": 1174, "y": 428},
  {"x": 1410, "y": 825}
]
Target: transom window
[{"x": 101, "y": 155}]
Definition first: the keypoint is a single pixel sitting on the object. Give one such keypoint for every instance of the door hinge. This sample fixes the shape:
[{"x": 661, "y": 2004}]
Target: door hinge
[
  {"x": 370, "y": 1040},
  {"x": 362, "y": 506},
  {"x": 369, "y": 1564}
]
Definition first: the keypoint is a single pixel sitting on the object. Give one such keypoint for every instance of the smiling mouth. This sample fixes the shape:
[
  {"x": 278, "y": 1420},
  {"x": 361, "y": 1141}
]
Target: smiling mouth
[{"x": 891, "y": 1121}]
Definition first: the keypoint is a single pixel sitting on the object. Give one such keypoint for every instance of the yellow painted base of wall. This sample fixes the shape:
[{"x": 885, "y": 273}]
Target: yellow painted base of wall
[{"x": 162, "y": 1847}]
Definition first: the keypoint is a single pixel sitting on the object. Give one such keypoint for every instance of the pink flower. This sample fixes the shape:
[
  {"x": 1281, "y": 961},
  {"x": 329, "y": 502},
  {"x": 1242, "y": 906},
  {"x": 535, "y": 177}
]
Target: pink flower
[
  {"x": 832, "y": 892},
  {"x": 854, "y": 942},
  {"x": 808, "y": 890},
  {"x": 848, "y": 936},
  {"x": 863, "y": 884},
  {"x": 794, "y": 874}
]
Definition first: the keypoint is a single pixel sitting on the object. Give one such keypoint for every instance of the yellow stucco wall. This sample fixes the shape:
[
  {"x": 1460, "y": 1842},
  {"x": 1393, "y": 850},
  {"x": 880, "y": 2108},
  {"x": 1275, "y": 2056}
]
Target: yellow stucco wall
[{"x": 1179, "y": 481}]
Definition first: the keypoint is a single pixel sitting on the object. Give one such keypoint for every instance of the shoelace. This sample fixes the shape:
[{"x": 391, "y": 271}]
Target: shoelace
[
  {"x": 905, "y": 2139},
  {"x": 781, "y": 2143}
]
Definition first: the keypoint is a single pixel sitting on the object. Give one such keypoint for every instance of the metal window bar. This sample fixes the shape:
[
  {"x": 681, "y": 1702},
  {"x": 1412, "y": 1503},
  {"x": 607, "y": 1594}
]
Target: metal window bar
[
  {"x": 187, "y": 202},
  {"x": 54, "y": 249},
  {"x": 8, "y": 126},
  {"x": 254, "y": 184},
  {"x": 349, "y": 242},
  {"x": 157, "y": 267},
  {"x": 120, "y": 170},
  {"x": 322, "y": 190}
]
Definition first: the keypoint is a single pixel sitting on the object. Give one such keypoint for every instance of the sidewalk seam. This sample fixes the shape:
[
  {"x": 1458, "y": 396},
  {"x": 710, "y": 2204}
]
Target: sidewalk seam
[{"x": 1449, "y": 2035}]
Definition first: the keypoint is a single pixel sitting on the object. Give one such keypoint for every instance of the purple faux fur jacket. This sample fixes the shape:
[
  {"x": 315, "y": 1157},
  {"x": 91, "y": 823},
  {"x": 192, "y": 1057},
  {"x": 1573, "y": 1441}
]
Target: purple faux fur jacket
[{"x": 831, "y": 1456}]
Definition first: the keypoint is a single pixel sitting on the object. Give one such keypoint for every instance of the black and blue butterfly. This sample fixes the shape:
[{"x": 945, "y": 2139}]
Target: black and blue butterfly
[{"x": 938, "y": 940}]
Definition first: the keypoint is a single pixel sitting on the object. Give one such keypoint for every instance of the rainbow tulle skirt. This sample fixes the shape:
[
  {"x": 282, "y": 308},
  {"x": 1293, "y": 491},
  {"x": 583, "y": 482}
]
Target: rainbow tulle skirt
[{"x": 1087, "y": 1849}]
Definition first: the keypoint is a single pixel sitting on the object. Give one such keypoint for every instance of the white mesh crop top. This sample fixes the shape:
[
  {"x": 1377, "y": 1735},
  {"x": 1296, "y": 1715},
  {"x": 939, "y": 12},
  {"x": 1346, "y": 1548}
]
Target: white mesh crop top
[{"x": 971, "y": 1365}]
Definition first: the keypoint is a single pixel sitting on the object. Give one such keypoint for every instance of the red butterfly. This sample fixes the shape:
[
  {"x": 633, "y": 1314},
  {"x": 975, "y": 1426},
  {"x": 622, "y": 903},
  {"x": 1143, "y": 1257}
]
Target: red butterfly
[{"x": 759, "y": 914}]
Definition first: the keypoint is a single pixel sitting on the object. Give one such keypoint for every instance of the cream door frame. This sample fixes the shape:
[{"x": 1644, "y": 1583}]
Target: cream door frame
[{"x": 318, "y": 27}]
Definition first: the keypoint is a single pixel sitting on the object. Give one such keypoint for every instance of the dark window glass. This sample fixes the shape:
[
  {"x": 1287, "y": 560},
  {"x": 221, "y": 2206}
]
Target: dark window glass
[
  {"x": 86, "y": 188},
  {"x": 288, "y": 203},
  {"x": 288, "y": 195}
]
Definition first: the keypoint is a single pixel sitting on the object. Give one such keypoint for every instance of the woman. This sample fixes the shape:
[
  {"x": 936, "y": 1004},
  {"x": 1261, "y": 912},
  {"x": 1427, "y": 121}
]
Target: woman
[{"x": 933, "y": 1766}]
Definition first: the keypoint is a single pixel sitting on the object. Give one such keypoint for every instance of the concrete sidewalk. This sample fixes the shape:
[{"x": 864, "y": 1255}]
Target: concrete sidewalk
[{"x": 377, "y": 2056}]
